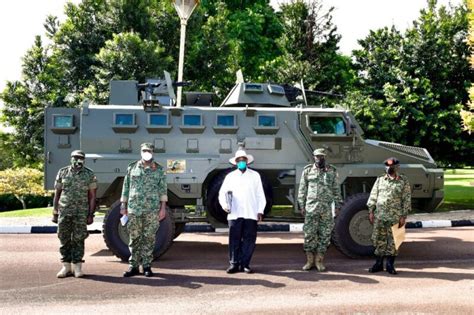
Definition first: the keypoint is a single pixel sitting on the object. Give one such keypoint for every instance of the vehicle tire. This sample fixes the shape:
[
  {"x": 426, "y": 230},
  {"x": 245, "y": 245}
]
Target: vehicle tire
[
  {"x": 352, "y": 231},
  {"x": 116, "y": 236},
  {"x": 179, "y": 228},
  {"x": 212, "y": 197}
]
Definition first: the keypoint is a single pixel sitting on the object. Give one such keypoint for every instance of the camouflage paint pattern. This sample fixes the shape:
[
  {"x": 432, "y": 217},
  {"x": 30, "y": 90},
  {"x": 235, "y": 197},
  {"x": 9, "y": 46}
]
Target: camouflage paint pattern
[
  {"x": 142, "y": 229},
  {"x": 317, "y": 191},
  {"x": 73, "y": 208},
  {"x": 390, "y": 199}
]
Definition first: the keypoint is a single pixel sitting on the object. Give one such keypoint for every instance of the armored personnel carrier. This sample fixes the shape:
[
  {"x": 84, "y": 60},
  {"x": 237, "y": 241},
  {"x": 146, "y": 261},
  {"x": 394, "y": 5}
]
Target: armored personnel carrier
[{"x": 194, "y": 143}]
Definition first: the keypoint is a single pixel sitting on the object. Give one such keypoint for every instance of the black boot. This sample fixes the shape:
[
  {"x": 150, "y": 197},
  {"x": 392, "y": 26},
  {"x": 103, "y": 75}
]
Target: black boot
[
  {"x": 147, "y": 272},
  {"x": 391, "y": 265},
  {"x": 132, "y": 271},
  {"x": 378, "y": 266}
]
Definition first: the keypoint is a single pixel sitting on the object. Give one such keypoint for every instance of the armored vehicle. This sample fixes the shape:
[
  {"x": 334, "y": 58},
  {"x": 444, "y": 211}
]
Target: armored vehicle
[{"x": 194, "y": 143}]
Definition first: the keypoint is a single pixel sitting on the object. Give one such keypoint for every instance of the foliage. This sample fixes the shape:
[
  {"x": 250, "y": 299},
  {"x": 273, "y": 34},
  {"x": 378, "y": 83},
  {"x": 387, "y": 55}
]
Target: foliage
[
  {"x": 35, "y": 212},
  {"x": 22, "y": 182},
  {"x": 467, "y": 115},
  {"x": 421, "y": 76},
  {"x": 309, "y": 45}
]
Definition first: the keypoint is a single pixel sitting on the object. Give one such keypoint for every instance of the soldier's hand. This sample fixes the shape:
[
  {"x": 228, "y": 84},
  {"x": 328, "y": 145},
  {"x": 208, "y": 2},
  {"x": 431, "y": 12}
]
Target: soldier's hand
[
  {"x": 90, "y": 220},
  {"x": 302, "y": 211},
  {"x": 260, "y": 217},
  {"x": 371, "y": 217},
  {"x": 54, "y": 219},
  {"x": 401, "y": 222},
  {"x": 226, "y": 210},
  {"x": 161, "y": 214},
  {"x": 336, "y": 211},
  {"x": 124, "y": 211}
]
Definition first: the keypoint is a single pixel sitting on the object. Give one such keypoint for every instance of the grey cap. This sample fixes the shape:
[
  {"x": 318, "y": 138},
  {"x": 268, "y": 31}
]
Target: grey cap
[
  {"x": 147, "y": 146},
  {"x": 78, "y": 153},
  {"x": 319, "y": 151}
]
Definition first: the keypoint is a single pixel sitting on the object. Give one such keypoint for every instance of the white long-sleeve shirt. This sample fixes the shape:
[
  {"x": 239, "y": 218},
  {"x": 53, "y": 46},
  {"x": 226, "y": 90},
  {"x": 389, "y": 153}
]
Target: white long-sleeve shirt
[{"x": 248, "y": 198}]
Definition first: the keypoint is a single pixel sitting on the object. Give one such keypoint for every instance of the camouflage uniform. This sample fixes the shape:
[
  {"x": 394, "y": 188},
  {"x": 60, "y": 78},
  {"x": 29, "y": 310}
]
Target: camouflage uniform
[
  {"x": 73, "y": 210},
  {"x": 318, "y": 189},
  {"x": 390, "y": 199},
  {"x": 143, "y": 189}
]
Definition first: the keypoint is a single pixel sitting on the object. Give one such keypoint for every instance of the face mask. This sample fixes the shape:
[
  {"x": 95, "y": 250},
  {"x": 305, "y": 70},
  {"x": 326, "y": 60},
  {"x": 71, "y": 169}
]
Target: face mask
[
  {"x": 77, "y": 163},
  {"x": 390, "y": 170},
  {"x": 241, "y": 165},
  {"x": 147, "y": 156},
  {"x": 320, "y": 162}
]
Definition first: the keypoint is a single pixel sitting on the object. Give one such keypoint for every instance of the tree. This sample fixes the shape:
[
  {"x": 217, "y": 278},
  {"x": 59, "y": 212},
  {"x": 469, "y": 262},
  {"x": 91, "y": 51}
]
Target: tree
[
  {"x": 467, "y": 115},
  {"x": 309, "y": 45},
  {"x": 422, "y": 74},
  {"x": 22, "y": 182}
]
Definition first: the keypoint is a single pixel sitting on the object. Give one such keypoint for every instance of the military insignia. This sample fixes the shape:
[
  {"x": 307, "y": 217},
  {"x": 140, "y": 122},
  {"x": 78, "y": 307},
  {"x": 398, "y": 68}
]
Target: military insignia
[{"x": 176, "y": 166}]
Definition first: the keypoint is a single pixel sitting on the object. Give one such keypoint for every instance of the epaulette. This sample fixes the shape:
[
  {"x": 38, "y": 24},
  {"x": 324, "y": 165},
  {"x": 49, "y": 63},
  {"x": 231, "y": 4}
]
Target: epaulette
[
  {"x": 132, "y": 164},
  {"x": 88, "y": 169},
  {"x": 308, "y": 166},
  {"x": 331, "y": 167}
]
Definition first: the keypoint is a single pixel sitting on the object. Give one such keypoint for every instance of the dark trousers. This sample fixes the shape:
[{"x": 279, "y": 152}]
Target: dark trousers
[{"x": 242, "y": 237}]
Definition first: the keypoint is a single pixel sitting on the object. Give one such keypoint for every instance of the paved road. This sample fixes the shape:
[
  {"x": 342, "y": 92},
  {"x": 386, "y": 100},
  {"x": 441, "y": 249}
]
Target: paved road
[{"x": 436, "y": 275}]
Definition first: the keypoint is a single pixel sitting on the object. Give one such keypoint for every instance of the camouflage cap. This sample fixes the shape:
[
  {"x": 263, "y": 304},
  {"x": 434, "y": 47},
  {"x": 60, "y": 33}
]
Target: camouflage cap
[
  {"x": 319, "y": 151},
  {"x": 391, "y": 161},
  {"x": 146, "y": 146},
  {"x": 78, "y": 153}
]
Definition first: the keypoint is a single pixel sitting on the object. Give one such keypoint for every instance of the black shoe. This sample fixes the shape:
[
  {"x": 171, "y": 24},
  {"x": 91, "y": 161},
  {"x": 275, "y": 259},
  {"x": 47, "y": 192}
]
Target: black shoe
[
  {"x": 147, "y": 272},
  {"x": 232, "y": 269},
  {"x": 132, "y": 271},
  {"x": 378, "y": 266},
  {"x": 391, "y": 265},
  {"x": 247, "y": 269}
]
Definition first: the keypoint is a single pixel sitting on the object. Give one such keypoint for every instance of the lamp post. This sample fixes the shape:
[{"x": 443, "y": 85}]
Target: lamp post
[{"x": 184, "y": 8}]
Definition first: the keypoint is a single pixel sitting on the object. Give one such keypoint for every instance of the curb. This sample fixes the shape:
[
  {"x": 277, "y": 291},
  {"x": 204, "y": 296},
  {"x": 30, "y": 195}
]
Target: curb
[{"x": 207, "y": 228}]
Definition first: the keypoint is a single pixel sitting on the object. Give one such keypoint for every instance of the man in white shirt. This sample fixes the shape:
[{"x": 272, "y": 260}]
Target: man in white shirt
[{"x": 242, "y": 197}]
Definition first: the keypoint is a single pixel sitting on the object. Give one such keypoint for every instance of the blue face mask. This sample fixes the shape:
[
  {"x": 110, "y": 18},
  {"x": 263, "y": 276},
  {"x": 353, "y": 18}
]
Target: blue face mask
[{"x": 241, "y": 165}]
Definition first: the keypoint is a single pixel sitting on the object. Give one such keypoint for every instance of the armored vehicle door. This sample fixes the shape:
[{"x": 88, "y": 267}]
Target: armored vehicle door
[
  {"x": 334, "y": 131},
  {"x": 60, "y": 139}
]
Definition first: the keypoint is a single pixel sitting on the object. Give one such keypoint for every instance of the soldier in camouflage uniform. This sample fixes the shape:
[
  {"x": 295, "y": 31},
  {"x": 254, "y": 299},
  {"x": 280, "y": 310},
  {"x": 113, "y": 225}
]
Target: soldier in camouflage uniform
[
  {"x": 317, "y": 191},
  {"x": 73, "y": 208},
  {"x": 389, "y": 204},
  {"x": 144, "y": 197}
]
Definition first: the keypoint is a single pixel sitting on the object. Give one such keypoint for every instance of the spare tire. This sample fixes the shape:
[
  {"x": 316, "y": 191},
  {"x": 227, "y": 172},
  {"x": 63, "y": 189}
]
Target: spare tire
[
  {"x": 212, "y": 198},
  {"x": 352, "y": 231},
  {"x": 116, "y": 236}
]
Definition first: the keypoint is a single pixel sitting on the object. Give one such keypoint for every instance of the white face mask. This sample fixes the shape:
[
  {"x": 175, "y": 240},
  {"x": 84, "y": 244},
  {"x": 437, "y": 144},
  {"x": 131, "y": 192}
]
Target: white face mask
[{"x": 147, "y": 156}]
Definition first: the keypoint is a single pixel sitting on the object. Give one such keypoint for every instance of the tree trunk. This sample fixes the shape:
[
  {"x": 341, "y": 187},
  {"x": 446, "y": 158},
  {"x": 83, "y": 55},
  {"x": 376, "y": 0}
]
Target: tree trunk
[{"x": 22, "y": 200}]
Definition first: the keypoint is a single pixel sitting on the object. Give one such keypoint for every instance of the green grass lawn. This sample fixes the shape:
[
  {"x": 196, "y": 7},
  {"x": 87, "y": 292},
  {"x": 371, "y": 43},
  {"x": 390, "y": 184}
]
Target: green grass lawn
[
  {"x": 37, "y": 212},
  {"x": 458, "y": 194},
  {"x": 458, "y": 189}
]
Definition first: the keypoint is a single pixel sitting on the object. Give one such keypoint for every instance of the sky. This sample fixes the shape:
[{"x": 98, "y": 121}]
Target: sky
[{"x": 22, "y": 20}]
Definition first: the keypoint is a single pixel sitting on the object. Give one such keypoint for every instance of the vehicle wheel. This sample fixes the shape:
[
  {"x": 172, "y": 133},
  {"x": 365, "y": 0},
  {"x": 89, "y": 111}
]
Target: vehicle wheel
[
  {"x": 116, "y": 236},
  {"x": 179, "y": 228},
  {"x": 352, "y": 231},
  {"x": 212, "y": 198}
]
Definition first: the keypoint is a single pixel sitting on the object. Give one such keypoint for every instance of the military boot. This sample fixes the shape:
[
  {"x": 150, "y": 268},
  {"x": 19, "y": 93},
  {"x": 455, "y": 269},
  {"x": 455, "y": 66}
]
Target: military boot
[
  {"x": 78, "y": 270},
  {"x": 309, "y": 261},
  {"x": 391, "y": 265},
  {"x": 320, "y": 262},
  {"x": 378, "y": 266},
  {"x": 65, "y": 270}
]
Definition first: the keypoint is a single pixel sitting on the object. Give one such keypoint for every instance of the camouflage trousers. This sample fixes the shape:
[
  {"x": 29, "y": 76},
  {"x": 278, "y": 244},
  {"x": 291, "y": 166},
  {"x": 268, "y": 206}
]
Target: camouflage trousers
[
  {"x": 382, "y": 239},
  {"x": 72, "y": 232},
  {"x": 317, "y": 230},
  {"x": 142, "y": 231}
]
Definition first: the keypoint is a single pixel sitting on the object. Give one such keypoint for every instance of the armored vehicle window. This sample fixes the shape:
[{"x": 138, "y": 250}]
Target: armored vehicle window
[
  {"x": 225, "y": 120},
  {"x": 276, "y": 89},
  {"x": 158, "y": 119},
  {"x": 124, "y": 119},
  {"x": 266, "y": 121},
  {"x": 253, "y": 88},
  {"x": 63, "y": 121},
  {"x": 327, "y": 125},
  {"x": 192, "y": 120}
]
